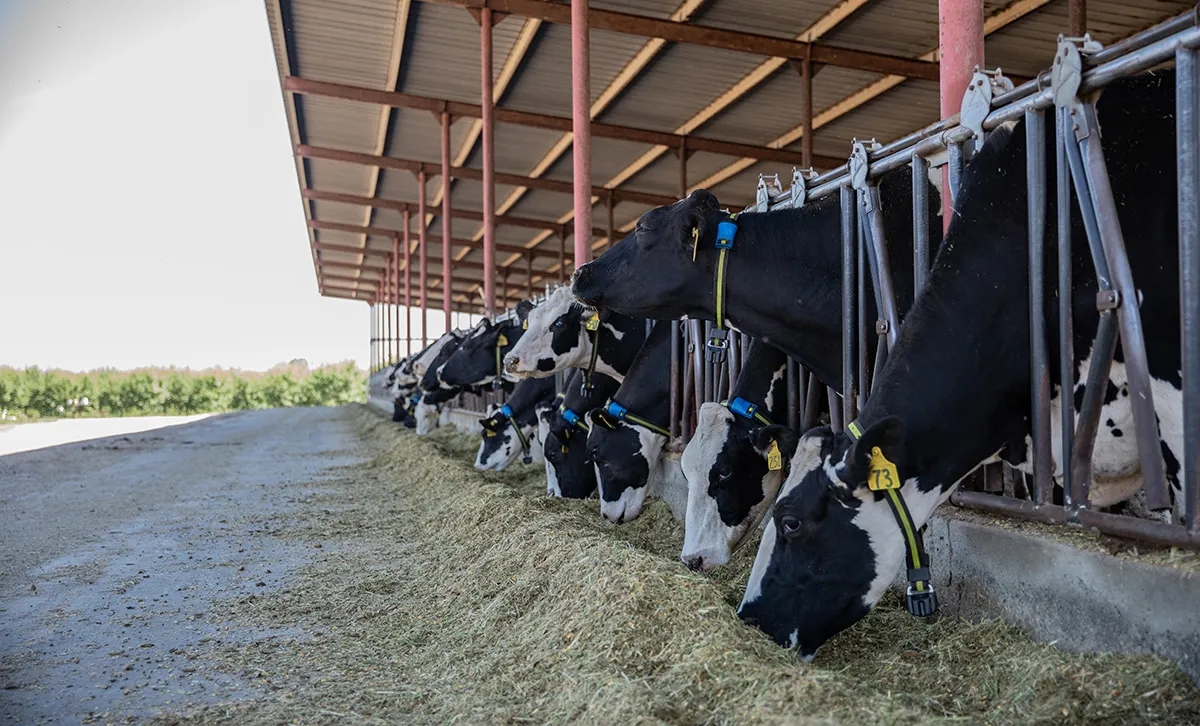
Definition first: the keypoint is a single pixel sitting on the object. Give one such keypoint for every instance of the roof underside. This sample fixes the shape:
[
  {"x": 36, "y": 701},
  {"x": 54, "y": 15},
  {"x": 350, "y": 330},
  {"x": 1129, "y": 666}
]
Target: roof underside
[{"x": 433, "y": 50}]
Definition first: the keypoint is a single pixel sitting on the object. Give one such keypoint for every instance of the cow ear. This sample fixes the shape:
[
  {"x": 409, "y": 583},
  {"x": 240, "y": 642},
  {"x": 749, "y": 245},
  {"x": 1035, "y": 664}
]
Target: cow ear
[
  {"x": 775, "y": 438},
  {"x": 887, "y": 435},
  {"x": 703, "y": 201},
  {"x": 523, "y": 309}
]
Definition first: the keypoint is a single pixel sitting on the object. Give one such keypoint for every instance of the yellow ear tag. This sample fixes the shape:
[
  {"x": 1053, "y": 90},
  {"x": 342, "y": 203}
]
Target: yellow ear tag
[
  {"x": 524, "y": 325},
  {"x": 593, "y": 323},
  {"x": 501, "y": 340},
  {"x": 774, "y": 458},
  {"x": 695, "y": 241},
  {"x": 489, "y": 433},
  {"x": 881, "y": 473}
]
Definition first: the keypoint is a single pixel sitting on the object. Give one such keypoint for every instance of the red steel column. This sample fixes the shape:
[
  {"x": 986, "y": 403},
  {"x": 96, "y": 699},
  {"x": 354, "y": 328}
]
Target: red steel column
[
  {"x": 960, "y": 44},
  {"x": 407, "y": 284},
  {"x": 581, "y": 128},
  {"x": 386, "y": 297},
  {"x": 446, "y": 218},
  {"x": 489, "y": 162},
  {"x": 395, "y": 290},
  {"x": 421, "y": 204}
]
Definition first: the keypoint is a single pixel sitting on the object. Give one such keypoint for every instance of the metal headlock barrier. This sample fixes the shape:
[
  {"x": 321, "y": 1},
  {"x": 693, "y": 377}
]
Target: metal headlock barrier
[{"x": 1080, "y": 66}]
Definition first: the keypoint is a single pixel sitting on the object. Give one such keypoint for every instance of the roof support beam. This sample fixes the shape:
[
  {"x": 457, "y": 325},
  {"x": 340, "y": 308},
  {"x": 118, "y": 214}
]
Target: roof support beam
[
  {"x": 536, "y": 120},
  {"x": 384, "y": 232},
  {"x": 581, "y": 130},
  {"x": 462, "y": 172},
  {"x": 488, "y": 114},
  {"x": 466, "y": 214},
  {"x": 675, "y": 32}
]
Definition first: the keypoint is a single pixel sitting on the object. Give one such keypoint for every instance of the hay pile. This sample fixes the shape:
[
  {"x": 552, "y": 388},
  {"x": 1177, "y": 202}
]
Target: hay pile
[{"x": 461, "y": 597}]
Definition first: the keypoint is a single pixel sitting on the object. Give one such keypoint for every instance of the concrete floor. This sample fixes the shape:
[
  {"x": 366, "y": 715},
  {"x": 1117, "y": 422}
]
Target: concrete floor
[{"x": 113, "y": 552}]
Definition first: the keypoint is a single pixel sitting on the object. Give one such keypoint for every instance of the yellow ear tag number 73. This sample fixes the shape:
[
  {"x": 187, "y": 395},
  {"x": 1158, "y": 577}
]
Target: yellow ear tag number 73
[
  {"x": 881, "y": 473},
  {"x": 774, "y": 458}
]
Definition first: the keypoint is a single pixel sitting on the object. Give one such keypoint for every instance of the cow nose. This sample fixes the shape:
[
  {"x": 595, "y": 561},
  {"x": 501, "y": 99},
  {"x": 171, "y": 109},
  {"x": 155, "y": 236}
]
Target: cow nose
[
  {"x": 695, "y": 563},
  {"x": 511, "y": 363}
]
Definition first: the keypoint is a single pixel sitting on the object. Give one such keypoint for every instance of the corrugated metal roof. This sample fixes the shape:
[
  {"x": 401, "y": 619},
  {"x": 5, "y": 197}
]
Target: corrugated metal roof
[{"x": 355, "y": 42}]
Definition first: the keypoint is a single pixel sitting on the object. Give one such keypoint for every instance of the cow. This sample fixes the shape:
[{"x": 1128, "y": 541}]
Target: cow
[
  {"x": 955, "y": 392},
  {"x": 563, "y": 334},
  {"x": 569, "y": 472},
  {"x": 628, "y": 436},
  {"x": 783, "y": 272},
  {"x": 479, "y": 359},
  {"x": 731, "y": 485},
  {"x": 509, "y": 432},
  {"x": 432, "y": 379},
  {"x": 421, "y": 361}
]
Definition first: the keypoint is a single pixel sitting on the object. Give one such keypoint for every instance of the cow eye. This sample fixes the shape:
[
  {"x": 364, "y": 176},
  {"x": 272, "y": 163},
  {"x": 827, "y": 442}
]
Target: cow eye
[
  {"x": 558, "y": 324},
  {"x": 724, "y": 475},
  {"x": 789, "y": 524}
]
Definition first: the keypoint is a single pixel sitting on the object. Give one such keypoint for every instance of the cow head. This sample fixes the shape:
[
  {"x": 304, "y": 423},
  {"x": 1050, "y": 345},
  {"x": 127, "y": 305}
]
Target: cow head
[
  {"x": 426, "y": 415},
  {"x": 654, "y": 263},
  {"x": 556, "y": 338},
  {"x": 626, "y": 457},
  {"x": 566, "y": 455},
  {"x": 832, "y": 546},
  {"x": 432, "y": 380},
  {"x": 500, "y": 445},
  {"x": 730, "y": 484}
]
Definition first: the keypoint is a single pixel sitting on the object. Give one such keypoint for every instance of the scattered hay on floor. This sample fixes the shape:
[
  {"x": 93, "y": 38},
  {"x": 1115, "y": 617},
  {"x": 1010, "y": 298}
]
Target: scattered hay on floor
[{"x": 472, "y": 598}]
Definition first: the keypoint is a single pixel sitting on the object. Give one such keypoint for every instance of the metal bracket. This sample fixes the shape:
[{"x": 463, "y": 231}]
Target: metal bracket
[
  {"x": 881, "y": 327},
  {"x": 977, "y": 100},
  {"x": 1108, "y": 300},
  {"x": 859, "y": 164},
  {"x": 1066, "y": 75},
  {"x": 762, "y": 196},
  {"x": 799, "y": 188}
]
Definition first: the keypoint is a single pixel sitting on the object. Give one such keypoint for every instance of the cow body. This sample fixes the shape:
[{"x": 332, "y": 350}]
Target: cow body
[
  {"x": 730, "y": 486},
  {"x": 956, "y": 390}
]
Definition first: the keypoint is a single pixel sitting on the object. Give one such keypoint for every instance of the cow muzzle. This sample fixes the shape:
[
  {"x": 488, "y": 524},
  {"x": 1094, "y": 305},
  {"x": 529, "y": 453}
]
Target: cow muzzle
[{"x": 511, "y": 363}]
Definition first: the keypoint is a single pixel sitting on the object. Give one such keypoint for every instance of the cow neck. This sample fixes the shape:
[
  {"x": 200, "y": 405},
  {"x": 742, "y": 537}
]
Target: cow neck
[
  {"x": 755, "y": 381},
  {"x": 803, "y": 316},
  {"x": 617, "y": 354},
  {"x": 645, "y": 392}
]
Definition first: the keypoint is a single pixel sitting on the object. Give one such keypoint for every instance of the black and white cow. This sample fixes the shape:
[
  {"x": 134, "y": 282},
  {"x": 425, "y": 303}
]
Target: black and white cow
[
  {"x": 510, "y": 432},
  {"x": 730, "y": 483},
  {"x": 432, "y": 380},
  {"x": 558, "y": 338},
  {"x": 783, "y": 272},
  {"x": 627, "y": 438},
  {"x": 569, "y": 472},
  {"x": 479, "y": 359},
  {"x": 955, "y": 392},
  {"x": 421, "y": 361}
]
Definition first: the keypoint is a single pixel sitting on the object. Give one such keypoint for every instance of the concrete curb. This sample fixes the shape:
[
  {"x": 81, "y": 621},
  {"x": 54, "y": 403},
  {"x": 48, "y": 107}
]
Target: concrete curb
[{"x": 1077, "y": 599}]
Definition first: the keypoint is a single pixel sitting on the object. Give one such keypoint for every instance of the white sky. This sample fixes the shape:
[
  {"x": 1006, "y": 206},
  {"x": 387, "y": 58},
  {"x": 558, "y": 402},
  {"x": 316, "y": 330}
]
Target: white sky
[{"x": 149, "y": 209}]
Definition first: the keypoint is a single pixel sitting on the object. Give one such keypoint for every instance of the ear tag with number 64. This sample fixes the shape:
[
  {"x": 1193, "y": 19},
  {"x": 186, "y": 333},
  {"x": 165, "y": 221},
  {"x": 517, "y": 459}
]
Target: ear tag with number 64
[
  {"x": 774, "y": 458},
  {"x": 881, "y": 473}
]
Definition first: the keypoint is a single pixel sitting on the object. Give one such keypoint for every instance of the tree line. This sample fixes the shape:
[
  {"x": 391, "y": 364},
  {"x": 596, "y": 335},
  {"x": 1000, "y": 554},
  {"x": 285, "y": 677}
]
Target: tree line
[{"x": 37, "y": 393}]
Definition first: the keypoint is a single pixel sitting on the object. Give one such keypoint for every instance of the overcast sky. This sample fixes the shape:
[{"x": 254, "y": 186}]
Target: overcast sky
[{"x": 149, "y": 212}]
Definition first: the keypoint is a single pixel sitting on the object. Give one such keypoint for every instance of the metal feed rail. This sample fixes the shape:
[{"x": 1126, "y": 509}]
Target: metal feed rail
[{"x": 990, "y": 102}]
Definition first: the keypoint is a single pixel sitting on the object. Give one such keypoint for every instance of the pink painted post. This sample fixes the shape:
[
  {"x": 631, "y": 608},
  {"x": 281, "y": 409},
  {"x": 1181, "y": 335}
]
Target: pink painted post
[
  {"x": 581, "y": 128},
  {"x": 446, "y": 289},
  {"x": 407, "y": 284},
  {"x": 395, "y": 289},
  {"x": 489, "y": 162},
  {"x": 421, "y": 204},
  {"x": 960, "y": 42}
]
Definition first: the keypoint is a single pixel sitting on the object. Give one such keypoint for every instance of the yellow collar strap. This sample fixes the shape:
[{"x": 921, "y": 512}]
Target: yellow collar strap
[
  {"x": 882, "y": 475},
  {"x": 717, "y": 339},
  {"x": 592, "y": 326}
]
